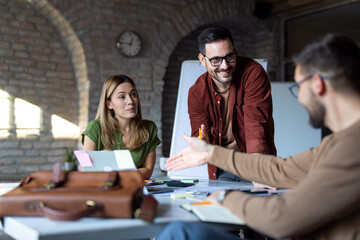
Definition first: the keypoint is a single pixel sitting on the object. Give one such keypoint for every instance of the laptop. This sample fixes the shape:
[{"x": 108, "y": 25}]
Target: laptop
[{"x": 100, "y": 161}]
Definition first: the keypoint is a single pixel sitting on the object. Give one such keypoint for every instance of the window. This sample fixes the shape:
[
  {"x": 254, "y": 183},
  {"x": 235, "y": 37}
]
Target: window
[
  {"x": 24, "y": 119},
  {"x": 301, "y": 30},
  {"x": 27, "y": 118},
  {"x": 4, "y": 110}
]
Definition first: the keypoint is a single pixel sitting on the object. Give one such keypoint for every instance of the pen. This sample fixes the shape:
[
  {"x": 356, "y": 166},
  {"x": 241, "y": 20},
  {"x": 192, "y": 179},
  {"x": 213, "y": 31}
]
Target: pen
[
  {"x": 200, "y": 133},
  {"x": 201, "y": 203}
]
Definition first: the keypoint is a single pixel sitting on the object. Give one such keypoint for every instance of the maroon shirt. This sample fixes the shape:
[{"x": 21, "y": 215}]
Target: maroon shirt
[{"x": 250, "y": 109}]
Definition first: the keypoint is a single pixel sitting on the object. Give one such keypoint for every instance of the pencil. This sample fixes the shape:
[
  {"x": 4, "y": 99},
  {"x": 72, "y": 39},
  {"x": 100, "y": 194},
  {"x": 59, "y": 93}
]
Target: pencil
[
  {"x": 200, "y": 133},
  {"x": 201, "y": 203}
]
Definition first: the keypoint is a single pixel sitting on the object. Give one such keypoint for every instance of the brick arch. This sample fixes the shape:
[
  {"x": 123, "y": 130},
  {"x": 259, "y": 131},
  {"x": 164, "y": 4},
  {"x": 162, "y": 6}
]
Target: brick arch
[
  {"x": 201, "y": 13},
  {"x": 183, "y": 28},
  {"x": 76, "y": 51}
]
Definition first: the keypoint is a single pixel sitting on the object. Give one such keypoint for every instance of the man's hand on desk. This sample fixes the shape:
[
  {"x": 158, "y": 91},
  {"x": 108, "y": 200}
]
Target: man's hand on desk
[
  {"x": 213, "y": 198},
  {"x": 259, "y": 185},
  {"x": 196, "y": 154}
]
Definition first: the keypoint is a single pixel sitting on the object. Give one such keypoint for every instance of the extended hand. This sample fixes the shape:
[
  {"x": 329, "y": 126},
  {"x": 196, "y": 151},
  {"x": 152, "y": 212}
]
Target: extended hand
[{"x": 196, "y": 154}]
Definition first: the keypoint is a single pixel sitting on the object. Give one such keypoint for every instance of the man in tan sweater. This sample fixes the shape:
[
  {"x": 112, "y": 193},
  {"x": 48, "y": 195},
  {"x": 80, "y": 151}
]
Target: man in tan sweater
[{"x": 324, "y": 202}]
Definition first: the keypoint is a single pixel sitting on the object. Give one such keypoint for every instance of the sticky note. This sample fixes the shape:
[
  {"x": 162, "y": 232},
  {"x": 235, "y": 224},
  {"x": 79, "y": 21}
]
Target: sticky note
[
  {"x": 181, "y": 195},
  {"x": 83, "y": 158},
  {"x": 189, "y": 180}
]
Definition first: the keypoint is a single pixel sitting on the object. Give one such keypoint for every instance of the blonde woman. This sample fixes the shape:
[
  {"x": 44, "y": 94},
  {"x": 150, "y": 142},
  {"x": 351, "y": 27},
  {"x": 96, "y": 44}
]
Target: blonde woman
[{"x": 119, "y": 125}]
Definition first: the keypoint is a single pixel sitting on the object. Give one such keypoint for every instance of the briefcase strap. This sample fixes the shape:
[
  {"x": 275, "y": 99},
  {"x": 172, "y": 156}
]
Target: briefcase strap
[
  {"x": 89, "y": 209},
  {"x": 57, "y": 178},
  {"x": 113, "y": 180},
  {"x": 147, "y": 210}
]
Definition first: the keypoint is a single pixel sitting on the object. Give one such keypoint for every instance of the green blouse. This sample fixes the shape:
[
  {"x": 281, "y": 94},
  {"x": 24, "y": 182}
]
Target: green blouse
[{"x": 93, "y": 132}]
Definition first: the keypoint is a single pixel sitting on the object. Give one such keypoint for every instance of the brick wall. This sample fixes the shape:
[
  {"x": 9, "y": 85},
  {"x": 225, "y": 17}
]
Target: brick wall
[
  {"x": 56, "y": 54},
  {"x": 36, "y": 67}
]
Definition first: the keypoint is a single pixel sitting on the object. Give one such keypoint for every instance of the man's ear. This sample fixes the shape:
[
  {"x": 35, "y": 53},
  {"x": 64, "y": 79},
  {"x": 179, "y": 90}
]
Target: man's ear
[
  {"x": 318, "y": 85},
  {"x": 202, "y": 59}
]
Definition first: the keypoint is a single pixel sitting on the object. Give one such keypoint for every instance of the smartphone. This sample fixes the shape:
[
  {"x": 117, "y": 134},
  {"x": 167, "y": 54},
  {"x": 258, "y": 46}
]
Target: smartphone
[
  {"x": 255, "y": 191},
  {"x": 178, "y": 184}
]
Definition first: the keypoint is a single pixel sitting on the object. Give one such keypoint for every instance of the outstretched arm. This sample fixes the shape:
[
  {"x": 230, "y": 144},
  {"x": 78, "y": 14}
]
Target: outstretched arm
[{"x": 198, "y": 153}]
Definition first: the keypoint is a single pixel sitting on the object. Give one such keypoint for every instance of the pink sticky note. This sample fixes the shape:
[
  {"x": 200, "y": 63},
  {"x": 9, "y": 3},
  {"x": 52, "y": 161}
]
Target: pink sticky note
[{"x": 83, "y": 158}]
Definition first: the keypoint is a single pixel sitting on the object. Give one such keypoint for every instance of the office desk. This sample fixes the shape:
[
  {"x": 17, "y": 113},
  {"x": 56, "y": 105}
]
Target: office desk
[{"x": 94, "y": 228}]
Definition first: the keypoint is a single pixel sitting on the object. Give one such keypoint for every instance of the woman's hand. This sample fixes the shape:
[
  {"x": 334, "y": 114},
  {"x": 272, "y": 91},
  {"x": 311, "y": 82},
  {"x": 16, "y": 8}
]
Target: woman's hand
[{"x": 198, "y": 153}]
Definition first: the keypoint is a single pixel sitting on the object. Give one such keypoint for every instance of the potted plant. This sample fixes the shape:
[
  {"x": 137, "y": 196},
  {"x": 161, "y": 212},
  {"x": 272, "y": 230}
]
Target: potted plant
[{"x": 70, "y": 161}]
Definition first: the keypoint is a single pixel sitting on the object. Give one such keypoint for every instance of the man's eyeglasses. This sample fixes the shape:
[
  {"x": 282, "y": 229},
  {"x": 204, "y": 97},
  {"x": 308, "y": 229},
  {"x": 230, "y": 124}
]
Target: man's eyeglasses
[
  {"x": 217, "y": 61},
  {"x": 294, "y": 88}
]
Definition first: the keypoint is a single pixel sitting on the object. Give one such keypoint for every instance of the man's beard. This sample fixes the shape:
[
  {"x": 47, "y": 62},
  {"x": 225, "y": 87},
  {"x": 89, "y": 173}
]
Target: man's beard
[
  {"x": 316, "y": 112},
  {"x": 229, "y": 80},
  {"x": 223, "y": 82}
]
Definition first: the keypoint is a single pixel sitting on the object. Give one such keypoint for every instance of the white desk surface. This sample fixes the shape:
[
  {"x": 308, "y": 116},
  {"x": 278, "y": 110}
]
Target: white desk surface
[{"x": 94, "y": 228}]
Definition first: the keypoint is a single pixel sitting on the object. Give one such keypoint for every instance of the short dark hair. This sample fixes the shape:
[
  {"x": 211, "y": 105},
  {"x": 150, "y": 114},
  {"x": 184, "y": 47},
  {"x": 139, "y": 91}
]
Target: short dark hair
[
  {"x": 212, "y": 34},
  {"x": 335, "y": 56}
]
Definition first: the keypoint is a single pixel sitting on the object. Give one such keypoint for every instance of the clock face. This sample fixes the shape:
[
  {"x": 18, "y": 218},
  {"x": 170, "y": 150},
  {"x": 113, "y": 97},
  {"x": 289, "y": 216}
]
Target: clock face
[{"x": 129, "y": 43}]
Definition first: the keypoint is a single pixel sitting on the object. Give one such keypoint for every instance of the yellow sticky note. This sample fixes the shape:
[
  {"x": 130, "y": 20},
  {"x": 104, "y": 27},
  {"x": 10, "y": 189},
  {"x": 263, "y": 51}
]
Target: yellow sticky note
[{"x": 181, "y": 195}]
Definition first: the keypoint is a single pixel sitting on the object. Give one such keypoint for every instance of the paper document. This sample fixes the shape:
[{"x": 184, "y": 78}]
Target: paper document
[
  {"x": 213, "y": 213},
  {"x": 95, "y": 161}
]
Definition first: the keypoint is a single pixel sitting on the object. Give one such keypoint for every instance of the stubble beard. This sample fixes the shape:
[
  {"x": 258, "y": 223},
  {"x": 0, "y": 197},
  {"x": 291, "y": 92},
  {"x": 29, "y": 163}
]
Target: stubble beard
[
  {"x": 316, "y": 113},
  {"x": 227, "y": 81}
]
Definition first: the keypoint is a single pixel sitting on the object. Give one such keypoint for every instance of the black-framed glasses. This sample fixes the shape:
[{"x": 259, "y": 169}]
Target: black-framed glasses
[
  {"x": 294, "y": 88},
  {"x": 217, "y": 61}
]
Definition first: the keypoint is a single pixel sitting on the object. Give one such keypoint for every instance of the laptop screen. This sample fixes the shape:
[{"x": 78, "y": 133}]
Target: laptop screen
[{"x": 95, "y": 161}]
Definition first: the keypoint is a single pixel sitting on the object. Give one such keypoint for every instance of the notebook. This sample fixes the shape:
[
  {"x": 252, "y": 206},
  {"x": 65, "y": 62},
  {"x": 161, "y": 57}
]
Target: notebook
[
  {"x": 213, "y": 213},
  {"x": 99, "y": 161}
]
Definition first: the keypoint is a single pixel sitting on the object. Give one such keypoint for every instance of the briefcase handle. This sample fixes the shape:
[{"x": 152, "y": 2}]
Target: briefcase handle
[
  {"x": 90, "y": 208},
  {"x": 56, "y": 181},
  {"x": 146, "y": 211}
]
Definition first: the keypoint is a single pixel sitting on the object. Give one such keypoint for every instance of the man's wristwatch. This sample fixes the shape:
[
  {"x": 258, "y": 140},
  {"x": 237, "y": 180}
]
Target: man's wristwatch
[{"x": 222, "y": 195}]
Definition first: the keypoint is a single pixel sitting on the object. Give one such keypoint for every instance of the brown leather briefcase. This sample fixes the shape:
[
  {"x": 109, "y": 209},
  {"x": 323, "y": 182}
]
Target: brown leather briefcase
[{"x": 62, "y": 195}]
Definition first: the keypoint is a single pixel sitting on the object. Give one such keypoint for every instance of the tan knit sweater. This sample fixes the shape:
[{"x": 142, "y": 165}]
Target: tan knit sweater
[{"x": 324, "y": 202}]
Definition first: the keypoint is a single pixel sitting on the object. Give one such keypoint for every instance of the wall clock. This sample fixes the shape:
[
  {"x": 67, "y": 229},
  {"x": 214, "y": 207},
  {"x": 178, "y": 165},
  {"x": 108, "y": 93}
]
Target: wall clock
[{"x": 129, "y": 43}]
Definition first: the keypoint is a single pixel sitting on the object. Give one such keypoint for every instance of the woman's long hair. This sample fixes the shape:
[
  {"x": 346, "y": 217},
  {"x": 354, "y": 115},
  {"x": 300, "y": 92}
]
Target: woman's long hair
[{"x": 108, "y": 122}]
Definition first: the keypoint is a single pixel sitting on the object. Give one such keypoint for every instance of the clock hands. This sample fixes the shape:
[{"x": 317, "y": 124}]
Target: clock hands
[{"x": 129, "y": 43}]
